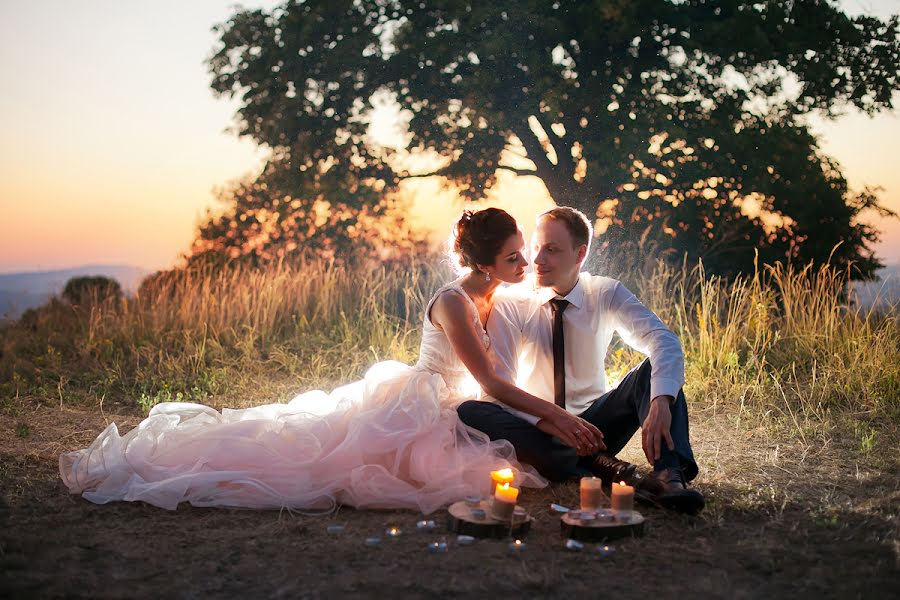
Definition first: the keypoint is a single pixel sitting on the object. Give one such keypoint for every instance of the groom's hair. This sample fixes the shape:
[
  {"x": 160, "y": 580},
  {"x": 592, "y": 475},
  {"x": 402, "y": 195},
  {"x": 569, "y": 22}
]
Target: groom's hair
[{"x": 575, "y": 221}]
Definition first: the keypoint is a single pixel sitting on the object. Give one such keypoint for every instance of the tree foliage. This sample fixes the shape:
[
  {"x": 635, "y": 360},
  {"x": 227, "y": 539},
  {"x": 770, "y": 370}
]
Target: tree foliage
[
  {"x": 685, "y": 121},
  {"x": 86, "y": 290}
]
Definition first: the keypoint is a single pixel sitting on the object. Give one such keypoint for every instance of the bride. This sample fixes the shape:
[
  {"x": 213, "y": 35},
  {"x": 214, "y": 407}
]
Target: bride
[{"x": 391, "y": 440}]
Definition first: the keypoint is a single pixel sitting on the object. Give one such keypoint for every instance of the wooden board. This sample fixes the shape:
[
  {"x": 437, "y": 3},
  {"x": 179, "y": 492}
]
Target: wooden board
[
  {"x": 605, "y": 527},
  {"x": 461, "y": 521}
]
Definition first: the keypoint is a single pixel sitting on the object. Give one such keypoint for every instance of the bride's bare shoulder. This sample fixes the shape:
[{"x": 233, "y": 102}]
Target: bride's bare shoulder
[{"x": 448, "y": 303}]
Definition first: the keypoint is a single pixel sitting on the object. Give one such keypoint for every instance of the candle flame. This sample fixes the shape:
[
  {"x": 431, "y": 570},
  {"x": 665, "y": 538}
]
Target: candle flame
[
  {"x": 621, "y": 483},
  {"x": 505, "y": 486},
  {"x": 518, "y": 542}
]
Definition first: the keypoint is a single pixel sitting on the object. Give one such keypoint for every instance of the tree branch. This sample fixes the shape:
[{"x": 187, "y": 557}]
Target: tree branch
[
  {"x": 438, "y": 173},
  {"x": 533, "y": 149},
  {"x": 563, "y": 151},
  {"x": 519, "y": 171}
]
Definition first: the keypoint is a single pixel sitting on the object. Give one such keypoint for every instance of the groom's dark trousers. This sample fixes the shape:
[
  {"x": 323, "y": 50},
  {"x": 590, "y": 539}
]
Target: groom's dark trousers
[{"x": 618, "y": 414}]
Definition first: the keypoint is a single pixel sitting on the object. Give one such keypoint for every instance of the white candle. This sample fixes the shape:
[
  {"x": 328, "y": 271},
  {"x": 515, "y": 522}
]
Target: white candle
[
  {"x": 591, "y": 493},
  {"x": 622, "y": 497},
  {"x": 504, "y": 502},
  {"x": 500, "y": 477},
  {"x": 517, "y": 546}
]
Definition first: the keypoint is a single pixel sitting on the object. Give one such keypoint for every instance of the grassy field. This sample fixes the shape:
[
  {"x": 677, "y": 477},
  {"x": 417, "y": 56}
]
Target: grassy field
[{"x": 795, "y": 406}]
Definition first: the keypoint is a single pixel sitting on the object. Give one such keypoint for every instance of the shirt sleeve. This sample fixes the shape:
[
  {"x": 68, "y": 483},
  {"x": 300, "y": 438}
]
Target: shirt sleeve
[
  {"x": 504, "y": 327},
  {"x": 641, "y": 329}
]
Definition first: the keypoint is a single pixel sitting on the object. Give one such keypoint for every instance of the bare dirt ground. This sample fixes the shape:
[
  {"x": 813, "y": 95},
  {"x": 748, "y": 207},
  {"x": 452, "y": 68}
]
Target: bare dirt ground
[{"x": 784, "y": 518}]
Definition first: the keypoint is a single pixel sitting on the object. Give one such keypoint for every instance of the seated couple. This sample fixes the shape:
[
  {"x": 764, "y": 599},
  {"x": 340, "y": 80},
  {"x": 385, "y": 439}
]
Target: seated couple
[{"x": 422, "y": 436}]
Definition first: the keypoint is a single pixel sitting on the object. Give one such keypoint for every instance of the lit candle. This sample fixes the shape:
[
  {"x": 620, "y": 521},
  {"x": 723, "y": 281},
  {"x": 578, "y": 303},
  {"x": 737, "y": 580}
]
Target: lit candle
[
  {"x": 606, "y": 551},
  {"x": 437, "y": 547},
  {"x": 393, "y": 532},
  {"x": 504, "y": 502},
  {"x": 622, "y": 497},
  {"x": 517, "y": 547},
  {"x": 500, "y": 477},
  {"x": 591, "y": 493}
]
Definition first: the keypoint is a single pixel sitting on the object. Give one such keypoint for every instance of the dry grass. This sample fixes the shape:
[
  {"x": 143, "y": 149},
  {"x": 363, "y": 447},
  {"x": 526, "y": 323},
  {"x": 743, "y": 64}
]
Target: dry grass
[{"x": 794, "y": 397}]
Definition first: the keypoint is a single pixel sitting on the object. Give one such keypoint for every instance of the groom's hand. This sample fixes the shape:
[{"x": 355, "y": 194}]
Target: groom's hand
[{"x": 656, "y": 428}]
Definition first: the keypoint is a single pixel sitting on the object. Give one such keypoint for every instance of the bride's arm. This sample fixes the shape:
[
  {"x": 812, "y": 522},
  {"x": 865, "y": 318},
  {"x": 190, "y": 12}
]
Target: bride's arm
[{"x": 452, "y": 314}]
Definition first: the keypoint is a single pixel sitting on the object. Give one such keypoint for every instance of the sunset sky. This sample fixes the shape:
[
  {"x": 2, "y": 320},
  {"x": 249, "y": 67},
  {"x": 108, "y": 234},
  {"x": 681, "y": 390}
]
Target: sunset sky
[{"x": 113, "y": 142}]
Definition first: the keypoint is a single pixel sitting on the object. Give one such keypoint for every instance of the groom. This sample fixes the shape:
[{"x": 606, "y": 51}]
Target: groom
[{"x": 553, "y": 343}]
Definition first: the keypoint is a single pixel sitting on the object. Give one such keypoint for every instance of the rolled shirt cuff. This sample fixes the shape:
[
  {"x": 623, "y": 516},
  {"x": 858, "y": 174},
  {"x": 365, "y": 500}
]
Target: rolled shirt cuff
[
  {"x": 664, "y": 386},
  {"x": 521, "y": 414}
]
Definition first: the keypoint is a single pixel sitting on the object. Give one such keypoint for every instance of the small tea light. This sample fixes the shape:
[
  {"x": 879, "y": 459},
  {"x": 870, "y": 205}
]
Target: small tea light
[
  {"x": 393, "y": 532},
  {"x": 428, "y": 525},
  {"x": 335, "y": 529},
  {"x": 558, "y": 509},
  {"x": 574, "y": 545},
  {"x": 437, "y": 547},
  {"x": 473, "y": 501},
  {"x": 465, "y": 540},
  {"x": 478, "y": 514},
  {"x": 517, "y": 547},
  {"x": 373, "y": 542},
  {"x": 606, "y": 516},
  {"x": 587, "y": 517},
  {"x": 606, "y": 551}
]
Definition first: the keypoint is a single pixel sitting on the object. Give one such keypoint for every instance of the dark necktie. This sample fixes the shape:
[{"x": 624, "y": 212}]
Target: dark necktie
[{"x": 557, "y": 306}]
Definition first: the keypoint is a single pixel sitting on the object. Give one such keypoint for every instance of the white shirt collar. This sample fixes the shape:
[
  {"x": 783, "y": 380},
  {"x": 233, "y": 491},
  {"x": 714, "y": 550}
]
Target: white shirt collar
[{"x": 575, "y": 296}]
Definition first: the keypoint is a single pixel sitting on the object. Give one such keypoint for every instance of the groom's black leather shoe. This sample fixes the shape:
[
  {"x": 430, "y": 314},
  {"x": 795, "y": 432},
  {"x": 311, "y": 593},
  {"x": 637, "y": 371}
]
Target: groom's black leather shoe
[
  {"x": 610, "y": 469},
  {"x": 668, "y": 489}
]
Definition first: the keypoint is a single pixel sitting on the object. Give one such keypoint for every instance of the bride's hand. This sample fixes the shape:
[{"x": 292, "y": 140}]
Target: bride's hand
[{"x": 574, "y": 432}]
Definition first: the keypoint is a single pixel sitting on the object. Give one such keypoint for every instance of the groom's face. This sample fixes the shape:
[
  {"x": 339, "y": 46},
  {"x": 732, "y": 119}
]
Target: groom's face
[{"x": 556, "y": 257}]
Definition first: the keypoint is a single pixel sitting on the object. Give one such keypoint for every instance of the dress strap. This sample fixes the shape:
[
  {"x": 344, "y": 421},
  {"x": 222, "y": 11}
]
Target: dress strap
[{"x": 453, "y": 286}]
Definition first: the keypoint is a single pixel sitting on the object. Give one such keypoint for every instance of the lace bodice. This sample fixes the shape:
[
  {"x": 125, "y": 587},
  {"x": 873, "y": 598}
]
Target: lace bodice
[{"x": 437, "y": 355}]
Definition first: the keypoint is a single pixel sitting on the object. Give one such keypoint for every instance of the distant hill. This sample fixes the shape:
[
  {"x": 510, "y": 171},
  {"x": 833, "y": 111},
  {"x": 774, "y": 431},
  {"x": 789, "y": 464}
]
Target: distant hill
[
  {"x": 883, "y": 293},
  {"x": 21, "y": 291}
]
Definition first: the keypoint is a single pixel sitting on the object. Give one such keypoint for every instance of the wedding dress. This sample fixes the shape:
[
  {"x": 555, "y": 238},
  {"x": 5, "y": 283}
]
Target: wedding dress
[{"x": 391, "y": 440}]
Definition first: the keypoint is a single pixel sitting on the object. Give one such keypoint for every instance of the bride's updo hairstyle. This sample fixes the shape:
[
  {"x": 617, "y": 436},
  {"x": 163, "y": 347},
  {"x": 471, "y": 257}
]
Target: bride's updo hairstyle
[{"x": 479, "y": 235}]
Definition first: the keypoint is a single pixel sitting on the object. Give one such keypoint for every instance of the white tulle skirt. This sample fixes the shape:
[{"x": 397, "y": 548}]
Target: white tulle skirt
[{"x": 392, "y": 440}]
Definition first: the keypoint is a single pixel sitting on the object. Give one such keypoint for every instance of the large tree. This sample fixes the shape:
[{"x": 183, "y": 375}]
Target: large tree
[{"x": 684, "y": 121}]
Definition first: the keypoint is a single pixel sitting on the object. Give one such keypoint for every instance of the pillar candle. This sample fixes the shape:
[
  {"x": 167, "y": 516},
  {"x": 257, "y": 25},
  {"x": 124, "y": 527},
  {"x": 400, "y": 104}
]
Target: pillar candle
[
  {"x": 500, "y": 477},
  {"x": 504, "y": 502},
  {"x": 622, "y": 496},
  {"x": 591, "y": 494}
]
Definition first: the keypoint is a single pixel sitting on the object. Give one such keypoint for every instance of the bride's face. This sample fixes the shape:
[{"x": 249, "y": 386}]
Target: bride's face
[{"x": 509, "y": 266}]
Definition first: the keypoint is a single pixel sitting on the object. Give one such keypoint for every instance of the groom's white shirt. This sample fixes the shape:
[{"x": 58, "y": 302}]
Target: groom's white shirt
[{"x": 520, "y": 327}]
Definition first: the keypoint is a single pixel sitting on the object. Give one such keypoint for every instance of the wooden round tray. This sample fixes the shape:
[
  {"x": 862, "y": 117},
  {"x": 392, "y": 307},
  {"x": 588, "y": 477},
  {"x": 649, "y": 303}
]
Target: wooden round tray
[
  {"x": 607, "y": 525},
  {"x": 460, "y": 520}
]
